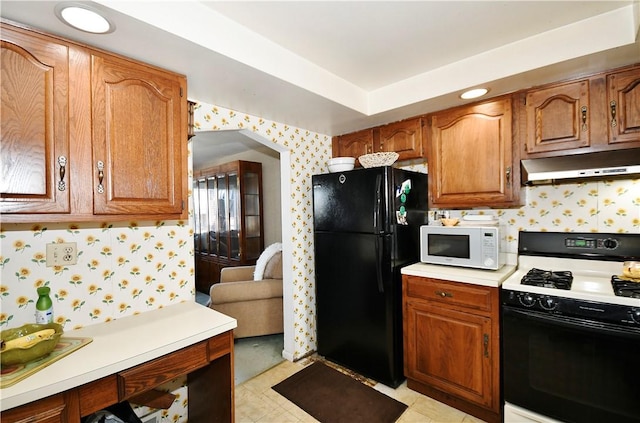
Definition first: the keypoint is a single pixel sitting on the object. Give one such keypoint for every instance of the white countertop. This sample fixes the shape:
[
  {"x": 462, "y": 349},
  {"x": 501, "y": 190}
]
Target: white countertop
[
  {"x": 119, "y": 345},
  {"x": 492, "y": 278}
]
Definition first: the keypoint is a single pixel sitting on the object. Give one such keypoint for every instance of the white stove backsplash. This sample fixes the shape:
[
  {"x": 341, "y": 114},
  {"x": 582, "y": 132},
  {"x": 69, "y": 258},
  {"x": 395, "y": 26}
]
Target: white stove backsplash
[{"x": 603, "y": 206}]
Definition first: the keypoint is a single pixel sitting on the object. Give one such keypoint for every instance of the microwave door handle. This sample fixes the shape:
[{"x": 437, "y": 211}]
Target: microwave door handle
[
  {"x": 379, "y": 252},
  {"x": 377, "y": 202}
]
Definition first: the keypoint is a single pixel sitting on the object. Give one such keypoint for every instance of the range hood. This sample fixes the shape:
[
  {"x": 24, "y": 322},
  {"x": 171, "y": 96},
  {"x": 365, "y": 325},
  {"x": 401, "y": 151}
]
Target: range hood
[{"x": 604, "y": 164}]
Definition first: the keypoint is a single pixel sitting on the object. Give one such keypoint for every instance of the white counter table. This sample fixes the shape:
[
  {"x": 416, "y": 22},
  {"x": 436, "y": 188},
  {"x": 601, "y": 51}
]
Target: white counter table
[
  {"x": 492, "y": 278},
  {"x": 129, "y": 343}
]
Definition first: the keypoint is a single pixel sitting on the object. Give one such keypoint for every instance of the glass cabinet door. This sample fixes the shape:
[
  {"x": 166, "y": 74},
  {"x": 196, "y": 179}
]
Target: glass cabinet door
[
  {"x": 212, "y": 223},
  {"x": 223, "y": 222},
  {"x": 204, "y": 216},
  {"x": 234, "y": 217},
  {"x": 253, "y": 239}
]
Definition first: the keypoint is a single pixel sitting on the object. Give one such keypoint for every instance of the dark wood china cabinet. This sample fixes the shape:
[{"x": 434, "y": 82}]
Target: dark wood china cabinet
[{"x": 228, "y": 222}]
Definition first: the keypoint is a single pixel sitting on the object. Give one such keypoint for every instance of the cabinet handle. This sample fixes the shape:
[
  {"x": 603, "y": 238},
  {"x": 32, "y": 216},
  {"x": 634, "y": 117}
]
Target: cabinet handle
[
  {"x": 485, "y": 344},
  {"x": 508, "y": 176},
  {"x": 100, "y": 166},
  {"x": 444, "y": 294},
  {"x": 62, "y": 162},
  {"x": 584, "y": 118},
  {"x": 614, "y": 121}
]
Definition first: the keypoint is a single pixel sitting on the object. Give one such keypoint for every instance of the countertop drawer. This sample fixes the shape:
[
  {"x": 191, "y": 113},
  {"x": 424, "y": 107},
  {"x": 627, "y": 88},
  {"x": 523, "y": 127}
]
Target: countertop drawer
[
  {"x": 460, "y": 294},
  {"x": 161, "y": 370}
]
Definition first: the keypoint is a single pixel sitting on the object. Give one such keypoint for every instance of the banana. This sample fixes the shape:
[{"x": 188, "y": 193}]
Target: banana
[{"x": 27, "y": 341}]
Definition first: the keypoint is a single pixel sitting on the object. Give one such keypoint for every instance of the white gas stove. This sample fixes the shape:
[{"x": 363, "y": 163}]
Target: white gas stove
[
  {"x": 571, "y": 330},
  {"x": 591, "y": 279}
]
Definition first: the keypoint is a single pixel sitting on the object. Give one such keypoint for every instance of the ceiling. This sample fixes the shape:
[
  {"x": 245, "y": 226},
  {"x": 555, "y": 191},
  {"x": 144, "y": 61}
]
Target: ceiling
[{"x": 335, "y": 67}]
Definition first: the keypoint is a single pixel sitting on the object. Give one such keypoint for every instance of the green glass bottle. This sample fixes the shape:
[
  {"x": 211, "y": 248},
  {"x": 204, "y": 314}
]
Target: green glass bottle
[{"x": 44, "y": 306}]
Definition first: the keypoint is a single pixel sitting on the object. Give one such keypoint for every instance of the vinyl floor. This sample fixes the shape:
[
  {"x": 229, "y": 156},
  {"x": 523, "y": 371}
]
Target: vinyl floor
[{"x": 255, "y": 401}]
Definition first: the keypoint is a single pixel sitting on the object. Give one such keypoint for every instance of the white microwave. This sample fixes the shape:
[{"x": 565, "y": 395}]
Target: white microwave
[{"x": 464, "y": 246}]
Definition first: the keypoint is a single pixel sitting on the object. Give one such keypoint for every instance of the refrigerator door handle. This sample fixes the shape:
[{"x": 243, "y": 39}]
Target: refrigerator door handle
[
  {"x": 379, "y": 257},
  {"x": 377, "y": 204}
]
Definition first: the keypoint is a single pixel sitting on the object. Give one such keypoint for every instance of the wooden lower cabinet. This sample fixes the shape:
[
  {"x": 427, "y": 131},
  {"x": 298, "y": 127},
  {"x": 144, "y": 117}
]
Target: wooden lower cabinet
[
  {"x": 451, "y": 344},
  {"x": 207, "y": 364}
]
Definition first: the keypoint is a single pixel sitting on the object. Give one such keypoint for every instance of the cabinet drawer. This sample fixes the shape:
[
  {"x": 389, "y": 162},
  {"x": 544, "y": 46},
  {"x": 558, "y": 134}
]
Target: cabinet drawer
[
  {"x": 99, "y": 394},
  {"x": 220, "y": 345},
  {"x": 47, "y": 410},
  {"x": 161, "y": 370},
  {"x": 460, "y": 294}
]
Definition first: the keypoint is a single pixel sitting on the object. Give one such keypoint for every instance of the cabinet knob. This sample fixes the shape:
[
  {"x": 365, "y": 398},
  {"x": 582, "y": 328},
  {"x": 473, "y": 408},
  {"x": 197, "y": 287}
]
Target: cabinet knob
[
  {"x": 614, "y": 121},
  {"x": 100, "y": 166},
  {"x": 444, "y": 294},
  {"x": 485, "y": 344},
  {"x": 62, "y": 162},
  {"x": 584, "y": 118},
  {"x": 508, "y": 176}
]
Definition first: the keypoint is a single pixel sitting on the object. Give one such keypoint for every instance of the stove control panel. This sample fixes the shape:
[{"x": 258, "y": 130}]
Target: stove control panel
[
  {"x": 580, "y": 245},
  {"x": 570, "y": 307},
  {"x": 592, "y": 243}
]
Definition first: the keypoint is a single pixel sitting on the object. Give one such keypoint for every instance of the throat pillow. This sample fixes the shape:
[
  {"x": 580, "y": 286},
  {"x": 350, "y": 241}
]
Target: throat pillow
[{"x": 264, "y": 259}]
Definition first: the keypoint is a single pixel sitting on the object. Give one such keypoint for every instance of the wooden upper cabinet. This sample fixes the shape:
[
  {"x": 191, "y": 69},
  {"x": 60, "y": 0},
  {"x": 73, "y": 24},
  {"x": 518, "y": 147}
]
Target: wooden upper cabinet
[
  {"x": 404, "y": 137},
  {"x": 354, "y": 144},
  {"x": 623, "y": 89},
  {"x": 558, "y": 118},
  {"x": 470, "y": 158},
  {"x": 88, "y": 134},
  {"x": 34, "y": 124},
  {"x": 137, "y": 144},
  {"x": 597, "y": 113}
]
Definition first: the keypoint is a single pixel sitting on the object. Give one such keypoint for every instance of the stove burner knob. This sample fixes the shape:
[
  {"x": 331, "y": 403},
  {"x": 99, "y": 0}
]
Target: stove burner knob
[
  {"x": 548, "y": 303},
  {"x": 610, "y": 243},
  {"x": 527, "y": 300},
  {"x": 635, "y": 315}
]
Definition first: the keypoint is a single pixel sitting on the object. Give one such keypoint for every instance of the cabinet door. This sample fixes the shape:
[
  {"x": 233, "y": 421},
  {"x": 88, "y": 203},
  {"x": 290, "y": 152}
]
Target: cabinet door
[
  {"x": 404, "y": 137},
  {"x": 450, "y": 350},
  {"x": 34, "y": 149},
  {"x": 355, "y": 144},
  {"x": 470, "y": 160},
  {"x": 251, "y": 206},
  {"x": 624, "y": 106},
  {"x": 558, "y": 118},
  {"x": 138, "y": 129}
]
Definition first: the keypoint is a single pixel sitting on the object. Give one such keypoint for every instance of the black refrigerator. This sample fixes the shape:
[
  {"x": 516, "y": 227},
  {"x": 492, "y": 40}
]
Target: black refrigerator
[{"x": 366, "y": 227}]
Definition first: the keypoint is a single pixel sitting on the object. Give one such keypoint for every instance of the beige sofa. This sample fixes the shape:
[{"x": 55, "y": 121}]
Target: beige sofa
[{"x": 256, "y": 305}]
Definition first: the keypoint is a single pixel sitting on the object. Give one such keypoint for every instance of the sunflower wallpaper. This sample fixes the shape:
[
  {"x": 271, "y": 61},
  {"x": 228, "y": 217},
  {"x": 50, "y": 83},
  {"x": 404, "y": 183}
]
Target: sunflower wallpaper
[{"x": 133, "y": 267}]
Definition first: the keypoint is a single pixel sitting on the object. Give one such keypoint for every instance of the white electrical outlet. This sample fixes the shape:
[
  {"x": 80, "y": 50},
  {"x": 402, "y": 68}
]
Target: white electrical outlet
[{"x": 62, "y": 254}]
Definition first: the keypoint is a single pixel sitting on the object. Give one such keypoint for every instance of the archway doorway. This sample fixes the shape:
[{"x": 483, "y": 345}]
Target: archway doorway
[{"x": 209, "y": 148}]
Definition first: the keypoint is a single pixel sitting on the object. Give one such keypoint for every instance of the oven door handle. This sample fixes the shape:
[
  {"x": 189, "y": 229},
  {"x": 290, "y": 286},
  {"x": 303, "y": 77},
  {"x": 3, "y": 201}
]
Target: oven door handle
[{"x": 572, "y": 323}]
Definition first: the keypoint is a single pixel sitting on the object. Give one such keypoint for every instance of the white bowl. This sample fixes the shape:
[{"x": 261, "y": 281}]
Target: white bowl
[{"x": 341, "y": 164}]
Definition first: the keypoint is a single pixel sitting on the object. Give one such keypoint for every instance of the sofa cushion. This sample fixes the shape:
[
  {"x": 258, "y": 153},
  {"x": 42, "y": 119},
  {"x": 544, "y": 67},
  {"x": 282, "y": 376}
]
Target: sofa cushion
[{"x": 232, "y": 292}]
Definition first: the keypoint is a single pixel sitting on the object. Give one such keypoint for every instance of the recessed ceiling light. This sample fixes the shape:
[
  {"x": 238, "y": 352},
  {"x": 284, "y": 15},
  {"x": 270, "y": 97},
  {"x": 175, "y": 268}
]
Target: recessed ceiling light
[
  {"x": 475, "y": 93},
  {"x": 84, "y": 18}
]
